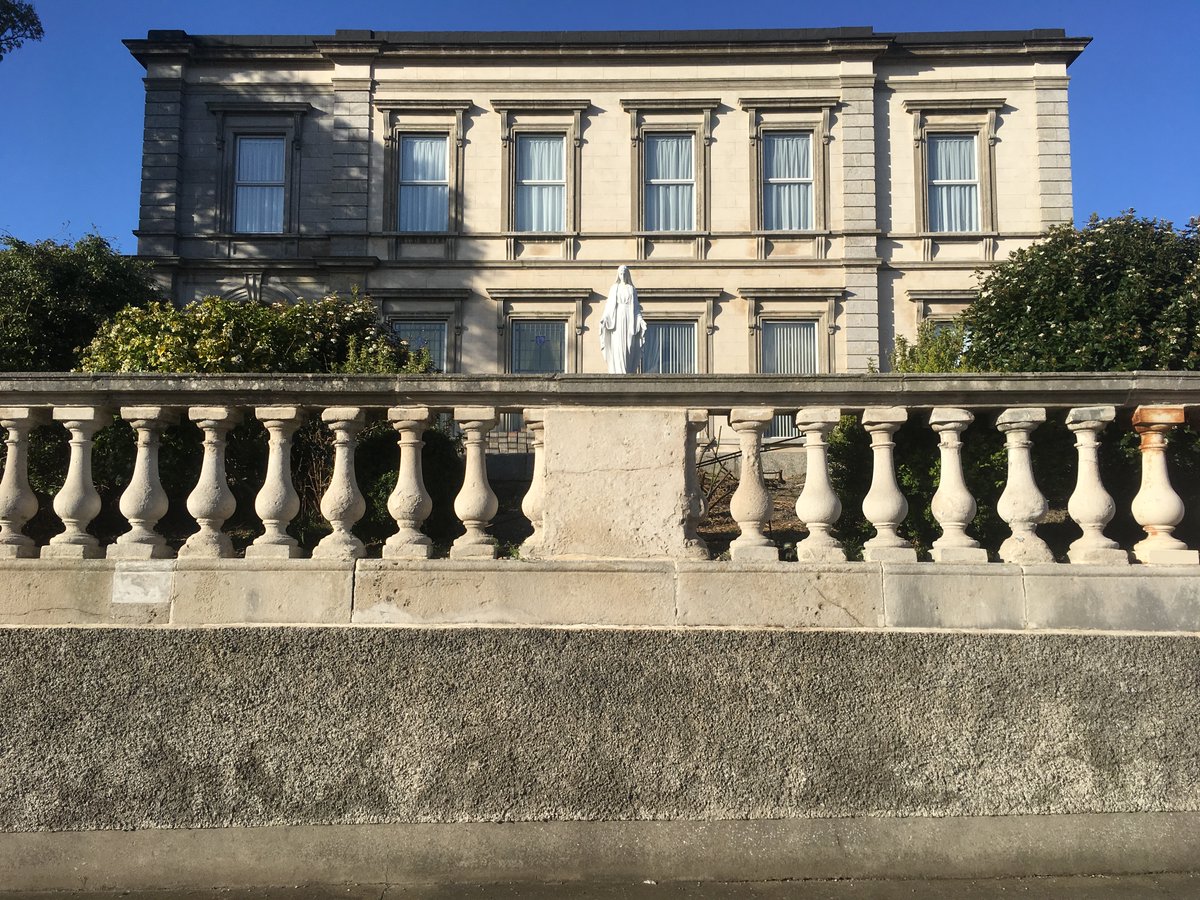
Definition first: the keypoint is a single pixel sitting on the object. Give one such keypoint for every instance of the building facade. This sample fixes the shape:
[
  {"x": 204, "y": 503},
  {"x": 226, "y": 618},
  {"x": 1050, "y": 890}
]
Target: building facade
[{"x": 788, "y": 200}]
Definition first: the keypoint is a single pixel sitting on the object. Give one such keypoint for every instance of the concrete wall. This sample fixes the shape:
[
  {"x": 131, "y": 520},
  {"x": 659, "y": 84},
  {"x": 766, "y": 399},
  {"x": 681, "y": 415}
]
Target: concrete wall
[{"x": 135, "y": 729}]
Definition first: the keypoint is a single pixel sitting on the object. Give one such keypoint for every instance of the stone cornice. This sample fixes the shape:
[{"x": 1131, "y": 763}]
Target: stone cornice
[{"x": 673, "y": 45}]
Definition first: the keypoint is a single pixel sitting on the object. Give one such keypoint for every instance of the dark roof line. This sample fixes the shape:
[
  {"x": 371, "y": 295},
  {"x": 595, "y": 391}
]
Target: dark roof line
[{"x": 550, "y": 38}]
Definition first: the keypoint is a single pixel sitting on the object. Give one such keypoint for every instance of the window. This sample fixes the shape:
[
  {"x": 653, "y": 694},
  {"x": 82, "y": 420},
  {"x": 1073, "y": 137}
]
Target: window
[
  {"x": 424, "y": 198},
  {"x": 787, "y": 182},
  {"x": 422, "y": 172},
  {"x": 955, "y": 164},
  {"x": 789, "y": 167},
  {"x": 789, "y": 347},
  {"x": 670, "y": 348},
  {"x": 259, "y": 143},
  {"x": 670, "y": 185},
  {"x": 539, "y": 346},
  {"x": 258, "y": 192},
  {"x": 424, "y": 334},
  {"x": 953, "y": 180},
  {"x": 541, "y": 183}
]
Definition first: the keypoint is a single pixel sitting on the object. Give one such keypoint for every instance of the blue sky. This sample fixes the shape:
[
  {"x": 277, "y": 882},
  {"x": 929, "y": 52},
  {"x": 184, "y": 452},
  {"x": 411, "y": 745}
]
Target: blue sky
[{"x": 72, "y": 104}]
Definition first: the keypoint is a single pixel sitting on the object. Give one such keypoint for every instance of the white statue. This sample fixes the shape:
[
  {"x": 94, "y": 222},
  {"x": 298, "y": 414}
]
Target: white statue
[{"x": 622, "y": 328}]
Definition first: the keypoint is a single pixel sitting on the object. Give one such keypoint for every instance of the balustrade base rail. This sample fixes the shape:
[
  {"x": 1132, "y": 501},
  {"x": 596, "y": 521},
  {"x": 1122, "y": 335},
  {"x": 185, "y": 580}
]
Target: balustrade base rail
[{"x": 604, "y": 593}]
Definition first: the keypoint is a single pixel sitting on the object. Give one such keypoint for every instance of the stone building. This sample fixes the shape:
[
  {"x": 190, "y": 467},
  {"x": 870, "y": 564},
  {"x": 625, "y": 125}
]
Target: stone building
[{"x": 789, "y": 200}]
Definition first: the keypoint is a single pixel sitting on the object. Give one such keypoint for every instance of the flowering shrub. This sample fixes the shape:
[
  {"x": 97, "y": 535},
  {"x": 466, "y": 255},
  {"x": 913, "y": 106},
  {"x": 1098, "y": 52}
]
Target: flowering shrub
[
  {"x": 1121, "y": 294},
  {"x": 221, "y": 335}
]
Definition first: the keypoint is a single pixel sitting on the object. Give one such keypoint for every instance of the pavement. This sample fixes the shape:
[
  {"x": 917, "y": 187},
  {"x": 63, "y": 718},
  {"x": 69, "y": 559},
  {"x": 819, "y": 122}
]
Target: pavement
[{"x": 1124, "y": 887}]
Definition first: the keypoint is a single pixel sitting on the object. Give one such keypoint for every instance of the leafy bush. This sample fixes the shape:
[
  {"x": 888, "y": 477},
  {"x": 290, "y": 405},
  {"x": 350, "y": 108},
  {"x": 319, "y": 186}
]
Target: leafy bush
[
  {"x": 54, "y": 297},
  {"x": 1121, "y": 294},
  {"x": 221, "y": 335},
  {"x": 940, "y": 347}
]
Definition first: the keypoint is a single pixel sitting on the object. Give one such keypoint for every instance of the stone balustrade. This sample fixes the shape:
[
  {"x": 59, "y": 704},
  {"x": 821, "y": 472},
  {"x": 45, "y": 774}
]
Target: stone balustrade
[{"x": 613, "y": 473}]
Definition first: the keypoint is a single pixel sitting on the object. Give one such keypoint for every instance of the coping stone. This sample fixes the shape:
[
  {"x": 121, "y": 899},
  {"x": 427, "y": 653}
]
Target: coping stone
[{"x": 918, "y": 595}]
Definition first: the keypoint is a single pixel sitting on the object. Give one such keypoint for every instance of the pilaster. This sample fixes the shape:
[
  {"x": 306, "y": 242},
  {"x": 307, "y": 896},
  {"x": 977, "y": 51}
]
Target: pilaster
[
  {"x": 162, "y": 147},
  {"x": 855, "y": 133}
]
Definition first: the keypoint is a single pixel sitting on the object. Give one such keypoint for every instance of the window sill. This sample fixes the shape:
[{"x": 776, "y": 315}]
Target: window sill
[
  {"x": 959, "y": 235},
  {"x": 810, "y": 233}
]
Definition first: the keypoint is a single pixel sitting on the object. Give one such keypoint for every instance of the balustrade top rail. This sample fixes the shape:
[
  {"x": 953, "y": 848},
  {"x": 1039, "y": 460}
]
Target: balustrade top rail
[{"x": 717, "y": 393}]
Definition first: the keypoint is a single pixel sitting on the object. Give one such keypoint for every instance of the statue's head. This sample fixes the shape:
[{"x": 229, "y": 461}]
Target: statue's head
[{"x": 623, "y": 275}]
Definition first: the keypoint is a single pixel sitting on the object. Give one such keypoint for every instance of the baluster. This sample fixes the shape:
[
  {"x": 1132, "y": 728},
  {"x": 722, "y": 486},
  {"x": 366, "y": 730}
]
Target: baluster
[
  {"x": 1091, "y": 506},
  {"x": 409, "y": 503},
  {"x": 18, "y": 502},
  {"x": 144, "y": 501},
  {"x": 751, "y": 505},
  {"x": 885, "y": 506},
  {"x": 818, "y": 507},
  {"x": 342, "y": 504},
  {"x": 475, "y": 504},
  {"x": 697, "y": 421},
  {"x": 277, "y": 502},
  {"x": 78, "y": 502},
  {"x": 533, "y": 504},
  {"x": 211, "y": 502},
  {"x": 1022, "y": 505},
  {"x": 953, "y": 506},
  {"x": 1157, "y": 508}
]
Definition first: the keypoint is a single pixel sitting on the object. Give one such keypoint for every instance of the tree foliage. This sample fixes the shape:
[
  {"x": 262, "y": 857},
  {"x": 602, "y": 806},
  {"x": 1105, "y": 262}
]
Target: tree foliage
[
  {"x": 54, "y": 297},
  {"x": 939, "y": 347},
  {"x": 1121, "y": 294},
  {"x": 215, "y": 334},
  {"x": 19, "y": 22}
]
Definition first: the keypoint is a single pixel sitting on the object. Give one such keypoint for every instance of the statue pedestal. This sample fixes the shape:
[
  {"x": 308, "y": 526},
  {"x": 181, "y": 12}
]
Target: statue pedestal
[{"x": 617, "y": 483}]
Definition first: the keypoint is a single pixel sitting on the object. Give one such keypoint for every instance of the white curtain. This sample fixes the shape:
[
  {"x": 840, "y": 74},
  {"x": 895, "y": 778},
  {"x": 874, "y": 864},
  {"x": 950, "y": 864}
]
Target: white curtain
[
  {"x": 424, "y": 189},
  {"x": 259, "y": 188},
  {"x": 424, "y": 335},
  {"x": 787, "y": 182},
  {"x": 788, "y": 348},
  {"x": 670, "y": 348},
  {"x": 670, "y": 183},
  {"x": 541, "y": 195},
  {"x": 953, "y": 183}
]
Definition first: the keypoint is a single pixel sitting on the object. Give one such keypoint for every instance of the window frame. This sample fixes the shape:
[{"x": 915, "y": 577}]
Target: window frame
[
  {"x": 561, "y": 304},
  {"x": 426, "y": 117},
  {"x": 968, "y": 116},
  {"x": 443, "y": 321},
  {"x": 429, "y": 305},
  {"x": 568, "y": 212},
  {"x": 697, "y": 344},
  {"x": 672, "y": 116},
  {"x": 647, "y": 135},
  {"x": 696, "y": 305},
  {"x": 762, "y": 181},
  {"x": 791, "y": 114},
  {"x": 541, "y": 116},
  {"x": 803, "y": 304},
  {"x": 255, "y": 119},
  {"x": 940, "y": 304},
  {"x": 399, "y": 138},
  {"x": 282, "y": 185}
]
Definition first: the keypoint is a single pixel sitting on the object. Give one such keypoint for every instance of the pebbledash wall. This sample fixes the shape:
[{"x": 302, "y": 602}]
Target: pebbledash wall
[{"x": 789, "y": 200}]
